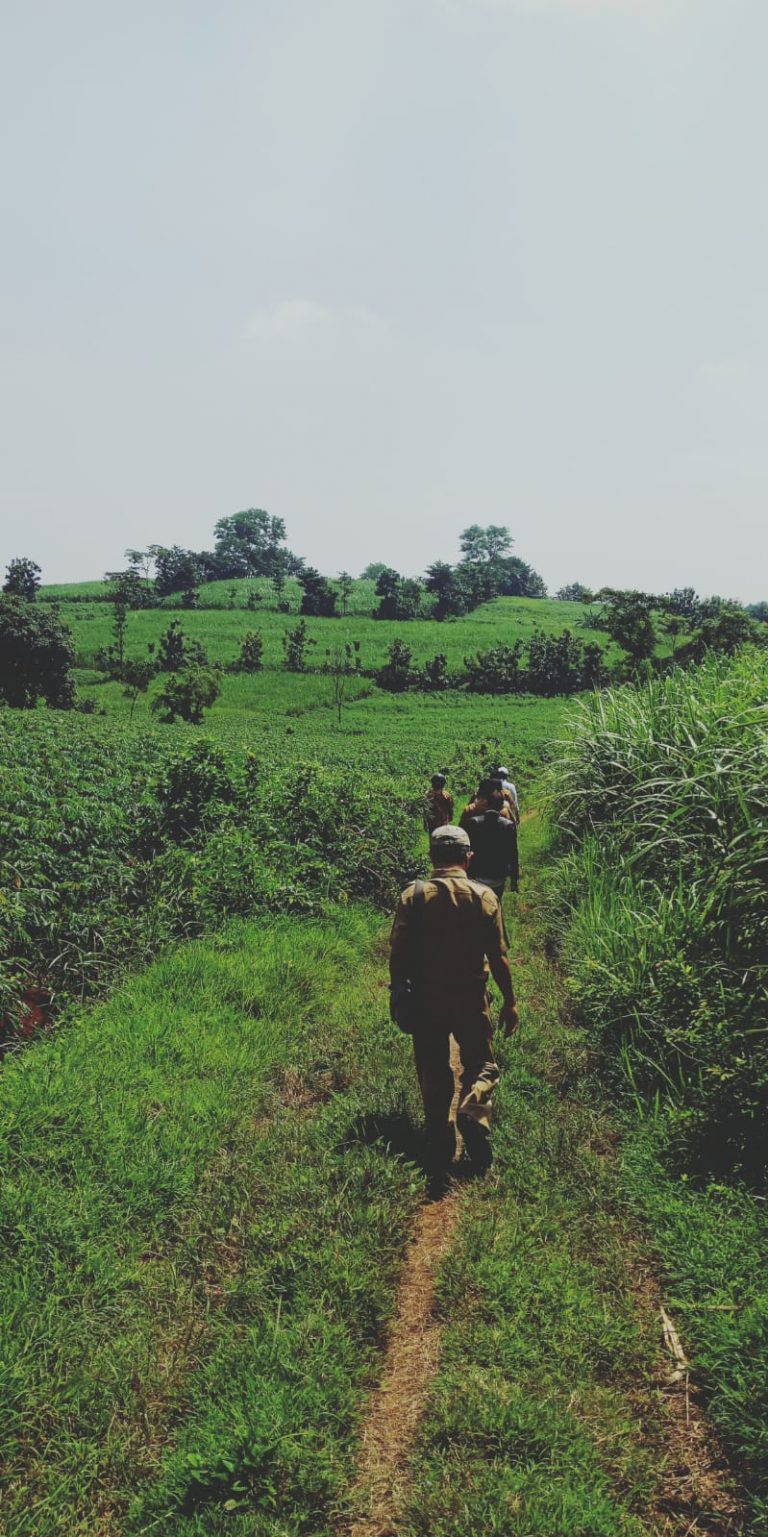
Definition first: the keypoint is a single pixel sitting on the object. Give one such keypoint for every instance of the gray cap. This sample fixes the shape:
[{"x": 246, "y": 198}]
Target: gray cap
[
  {"x": 450, "y": 837},
  {"x": 503, "y": 771}
]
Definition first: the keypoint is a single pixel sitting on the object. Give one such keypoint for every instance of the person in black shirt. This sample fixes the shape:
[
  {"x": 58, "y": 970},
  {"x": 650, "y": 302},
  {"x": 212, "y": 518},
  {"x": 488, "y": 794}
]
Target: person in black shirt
[{"x": 494, "y": 842}]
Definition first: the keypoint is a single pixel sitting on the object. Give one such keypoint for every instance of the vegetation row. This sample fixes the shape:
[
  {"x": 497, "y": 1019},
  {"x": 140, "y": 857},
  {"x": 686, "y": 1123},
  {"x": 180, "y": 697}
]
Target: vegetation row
[
  {"x": 112, "y": 844},
  {"x": 660, "y": 796}
]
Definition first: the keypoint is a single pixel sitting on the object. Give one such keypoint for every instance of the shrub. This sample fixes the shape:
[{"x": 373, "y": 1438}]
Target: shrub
[
  {"x": 397, "y": 674},
  {"x": 187, "y": 695},
  {"x": 36, "y": 655},
  {"x": 251, "y": 653},
  {"x": 295, "y": 643}
]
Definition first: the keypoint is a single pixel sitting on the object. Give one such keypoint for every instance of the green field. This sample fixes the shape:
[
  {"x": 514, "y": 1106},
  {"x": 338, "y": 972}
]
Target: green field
[
  {"x": 212, "y": 1163},
  {"x": 501, "y": 622}
]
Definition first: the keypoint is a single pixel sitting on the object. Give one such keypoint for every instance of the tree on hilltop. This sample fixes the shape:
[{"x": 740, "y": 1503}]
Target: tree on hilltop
[
  {"x": 249, "y": 543},
  {"x": 319, "y": 598},
  {"x": 22, "y": 578}
]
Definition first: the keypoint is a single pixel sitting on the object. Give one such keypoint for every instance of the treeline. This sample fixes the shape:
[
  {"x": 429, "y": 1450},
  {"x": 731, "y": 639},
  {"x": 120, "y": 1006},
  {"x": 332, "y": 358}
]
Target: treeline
[
  {"x": 545, "y": 665},
  {"x": 252, "y": 544},
  {"x": 691, "y": 626}
]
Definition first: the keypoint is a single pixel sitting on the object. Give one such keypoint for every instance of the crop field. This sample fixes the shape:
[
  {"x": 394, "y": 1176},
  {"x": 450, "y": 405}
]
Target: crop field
[
  {"x": 214, "y": 1181},
  {"x": 220, "y": 630}
]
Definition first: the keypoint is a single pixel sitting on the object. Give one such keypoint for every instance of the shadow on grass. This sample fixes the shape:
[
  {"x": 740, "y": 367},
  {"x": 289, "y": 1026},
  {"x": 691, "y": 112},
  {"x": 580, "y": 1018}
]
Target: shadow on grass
[{"x": 396, "y": 1130}]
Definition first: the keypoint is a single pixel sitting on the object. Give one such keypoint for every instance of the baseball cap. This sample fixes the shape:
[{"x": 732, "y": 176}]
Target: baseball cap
[
  {"x": 450, "y": 837},
  {"x": 503, "y": 773}
]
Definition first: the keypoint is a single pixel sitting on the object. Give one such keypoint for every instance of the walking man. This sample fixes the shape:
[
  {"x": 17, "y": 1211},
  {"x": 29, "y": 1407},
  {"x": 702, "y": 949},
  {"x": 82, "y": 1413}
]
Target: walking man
[
  {"x": 494, "y": 844},
  {"x": 438, "y": 804},
  {"x": 510, "y": 791},
  {"x": 446, "y": 936}
]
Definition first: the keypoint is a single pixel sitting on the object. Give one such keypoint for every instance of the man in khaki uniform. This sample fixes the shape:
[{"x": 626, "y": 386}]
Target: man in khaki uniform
[
  {"x": 438, "y": 804},
  {"x": 444, "y": 940}
]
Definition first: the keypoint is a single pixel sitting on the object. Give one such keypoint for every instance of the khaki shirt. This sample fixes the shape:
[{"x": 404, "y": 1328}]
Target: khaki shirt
[
  {"x": 438, "y": 809},
  {"x": 460, "y": 929}
]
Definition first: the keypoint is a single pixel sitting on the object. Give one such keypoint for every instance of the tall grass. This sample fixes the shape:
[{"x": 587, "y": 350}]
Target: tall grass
[
  {"x": 660, "y": 794},
  {"x": 660, "y": 797}
]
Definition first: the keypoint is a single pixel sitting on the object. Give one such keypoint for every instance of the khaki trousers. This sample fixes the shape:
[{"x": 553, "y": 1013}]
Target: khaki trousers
[{"x": 472, "y": 1029}]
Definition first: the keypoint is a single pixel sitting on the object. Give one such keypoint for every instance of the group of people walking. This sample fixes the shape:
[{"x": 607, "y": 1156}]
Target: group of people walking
[
  {"x": 448, "y": 938},
  {"x": 491, "y": 819}
]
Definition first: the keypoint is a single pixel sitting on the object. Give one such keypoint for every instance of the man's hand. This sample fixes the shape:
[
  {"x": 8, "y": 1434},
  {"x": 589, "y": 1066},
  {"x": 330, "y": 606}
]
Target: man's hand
[{"x": 510, "y": 1019}]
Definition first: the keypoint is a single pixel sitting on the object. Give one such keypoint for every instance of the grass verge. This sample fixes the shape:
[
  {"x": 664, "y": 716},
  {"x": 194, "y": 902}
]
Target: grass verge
[
  {"x": 547, "y": 1416},
  {"x": 201, "y": 1235}
]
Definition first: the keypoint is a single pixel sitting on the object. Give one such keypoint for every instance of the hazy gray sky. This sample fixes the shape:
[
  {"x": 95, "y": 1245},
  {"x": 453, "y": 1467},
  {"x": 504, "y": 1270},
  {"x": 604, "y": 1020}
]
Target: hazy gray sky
[{"x": 387, "y": 268}]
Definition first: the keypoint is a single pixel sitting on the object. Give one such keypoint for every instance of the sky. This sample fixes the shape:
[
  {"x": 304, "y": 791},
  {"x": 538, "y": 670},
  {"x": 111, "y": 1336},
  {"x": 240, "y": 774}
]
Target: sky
[{"x": 387, "y": 268}]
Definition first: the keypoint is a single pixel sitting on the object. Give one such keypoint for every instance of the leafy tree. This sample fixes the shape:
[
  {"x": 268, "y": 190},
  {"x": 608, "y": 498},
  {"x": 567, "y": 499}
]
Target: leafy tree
[
  {"x": 295, "y": 643},
  {"x": 684, "y": 603},
  {"x": 373, "y": 571},
  {"x": 137, "y": 675},
  {"x": 758, "y": 611},
  {"x": 496, "y": 671},
  {"x": 141, "y": 562},
  {"x": 575, "y": 592},
  {"x": 187, "y": 695},
  {"x": 628, "y": 619},
  {"x": 399, "y": 597},
  {"x": 211, "y": 567},
  {"x": 673, "y": 626},
  {"x": 449, "y": 587},
  {"x": 251, "y": 658},
  {"x": 127, "y": 588},
  {"x": 176, "y": 569},
  {"x": 436, "y": 678},
  {"x": 345, "y": 586},
  {"x": 319, "y": 598},
  {"x": 36, "y": 655},
  {"x": 173, "y": 648},
  {"x": 514, "y": 578},
  {"x": 723, "y": 633},
  {"x": 249, "y": 543},
  {"x": 594, "y": 673},
  {"x": 484, "y": 544},
  {"x": 397, "y": 673},
  {"x": 343, "y": 663},
  {"x": 22, "y": 578},
  {"x": 119, "y": 627}
]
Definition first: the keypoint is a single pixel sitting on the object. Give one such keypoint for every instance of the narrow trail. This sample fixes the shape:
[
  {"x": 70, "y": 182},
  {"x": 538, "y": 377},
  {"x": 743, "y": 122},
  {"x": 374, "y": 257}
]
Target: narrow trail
[
  {"x": 694, "y": 1495},
  {"x": 411, "y": 1361}
]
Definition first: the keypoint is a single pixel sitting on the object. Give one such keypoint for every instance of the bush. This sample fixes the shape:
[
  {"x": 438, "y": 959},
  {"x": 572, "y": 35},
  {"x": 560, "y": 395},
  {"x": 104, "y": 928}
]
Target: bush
[
  {"x": 187, "y": 695},
  {"x": 114, "y": 843},
  {"x": 36, "y": 655},
  {"x": 251, "y": 658},
  {"x": 397, "y": 674}
]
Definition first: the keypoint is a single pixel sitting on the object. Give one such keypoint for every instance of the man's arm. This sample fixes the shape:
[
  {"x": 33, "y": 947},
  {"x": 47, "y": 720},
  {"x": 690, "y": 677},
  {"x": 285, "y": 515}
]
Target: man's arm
[
  {"x": 400, "y": 945},
  {"x": 498, "y": 960}
]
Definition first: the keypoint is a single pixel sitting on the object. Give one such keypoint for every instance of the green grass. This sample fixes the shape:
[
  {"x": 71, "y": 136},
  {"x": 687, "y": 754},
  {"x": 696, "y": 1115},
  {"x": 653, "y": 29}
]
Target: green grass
[
  {"x": 545, "y": 1418},
  {"x": 711, "y": 1241},
  {"x": 660, "y": 910},
  {"x": 200, "y": 1239},
  {"x": 220, "y": 630}
]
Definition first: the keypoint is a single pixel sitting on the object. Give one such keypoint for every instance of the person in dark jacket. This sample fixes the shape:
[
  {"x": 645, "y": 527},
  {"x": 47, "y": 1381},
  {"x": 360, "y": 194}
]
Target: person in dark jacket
[{"x": 493, "y": 836}]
